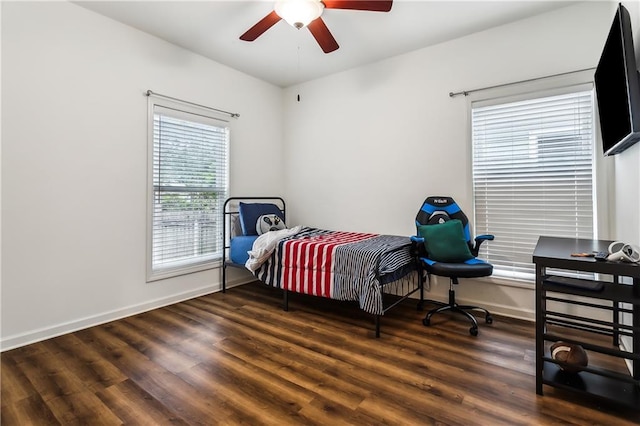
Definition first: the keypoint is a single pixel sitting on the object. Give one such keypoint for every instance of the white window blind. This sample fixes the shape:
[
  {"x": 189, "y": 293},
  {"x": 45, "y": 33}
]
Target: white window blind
[
  {"x": 532, "y": 176},
  {"x": 189, "y": 186}
]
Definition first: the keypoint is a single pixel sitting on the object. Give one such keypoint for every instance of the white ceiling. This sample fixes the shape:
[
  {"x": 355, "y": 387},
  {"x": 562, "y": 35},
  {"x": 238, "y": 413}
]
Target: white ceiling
[{"x": 286, "y": 56}]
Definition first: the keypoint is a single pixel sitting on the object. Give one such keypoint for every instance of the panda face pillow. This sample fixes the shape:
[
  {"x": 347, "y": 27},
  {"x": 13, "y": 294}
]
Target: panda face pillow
[{"x": 269, "y": 222}]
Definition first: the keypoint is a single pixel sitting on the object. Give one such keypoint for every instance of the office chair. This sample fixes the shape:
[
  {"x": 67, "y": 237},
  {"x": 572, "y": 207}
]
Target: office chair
[{"x": 444, "y": 247}]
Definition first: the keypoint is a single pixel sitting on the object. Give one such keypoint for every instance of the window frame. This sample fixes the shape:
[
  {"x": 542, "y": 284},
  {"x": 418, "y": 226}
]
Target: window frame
[
  {"x": 580, "y": 81},
  {"x": 188, "y": 112}
]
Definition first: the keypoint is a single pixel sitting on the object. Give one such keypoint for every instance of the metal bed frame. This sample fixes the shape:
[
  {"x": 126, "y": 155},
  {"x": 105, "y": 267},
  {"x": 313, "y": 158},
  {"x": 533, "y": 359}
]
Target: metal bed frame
[{"x": 411, "y": 281}]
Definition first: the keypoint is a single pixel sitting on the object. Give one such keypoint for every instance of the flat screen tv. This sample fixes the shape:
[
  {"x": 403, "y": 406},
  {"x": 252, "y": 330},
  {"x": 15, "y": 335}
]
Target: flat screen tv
[{"x": 617, "y": 84}]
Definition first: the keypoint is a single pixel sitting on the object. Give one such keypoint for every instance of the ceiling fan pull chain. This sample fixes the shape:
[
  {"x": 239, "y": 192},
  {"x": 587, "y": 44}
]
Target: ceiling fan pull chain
[{"x": 298, "y": 76}]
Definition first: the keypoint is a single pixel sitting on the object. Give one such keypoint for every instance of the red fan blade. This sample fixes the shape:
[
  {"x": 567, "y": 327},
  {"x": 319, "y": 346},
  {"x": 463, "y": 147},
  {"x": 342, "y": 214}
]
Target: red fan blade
[
  {"x": 323, "y": 36},
  {"x": 371, "y": 5},
  {"x": 263, "y": 25}
]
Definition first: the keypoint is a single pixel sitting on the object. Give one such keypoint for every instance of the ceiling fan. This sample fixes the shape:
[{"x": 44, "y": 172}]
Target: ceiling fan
[{"x": 306, "y": 13}]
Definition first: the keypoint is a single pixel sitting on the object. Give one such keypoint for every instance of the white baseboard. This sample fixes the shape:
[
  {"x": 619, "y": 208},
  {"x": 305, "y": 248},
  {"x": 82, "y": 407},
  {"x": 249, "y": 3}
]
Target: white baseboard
[
  {"x": 41, "y": 334},
  {"x": 494, "y": 308},
  {"x": 38, "y": 335}
]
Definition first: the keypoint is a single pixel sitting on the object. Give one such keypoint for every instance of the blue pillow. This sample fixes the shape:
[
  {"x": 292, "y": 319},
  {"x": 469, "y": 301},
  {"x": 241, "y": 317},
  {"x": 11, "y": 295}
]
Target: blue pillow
[
  {"x": 250, "y": 212},
  {"x": 240, "y": 246}
]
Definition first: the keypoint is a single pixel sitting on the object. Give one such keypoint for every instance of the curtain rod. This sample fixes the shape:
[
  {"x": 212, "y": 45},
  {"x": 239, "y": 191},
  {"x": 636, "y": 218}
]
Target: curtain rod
[
  {"x": 467, "y": 92},
  {"x": 152, "y": 93}
]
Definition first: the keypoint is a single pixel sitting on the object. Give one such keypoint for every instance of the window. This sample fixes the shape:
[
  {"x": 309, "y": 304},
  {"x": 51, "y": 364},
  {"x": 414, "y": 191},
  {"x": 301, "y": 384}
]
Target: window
[
  {"x": 532, "y": 175},
  {"x": 188, "y": 185}
]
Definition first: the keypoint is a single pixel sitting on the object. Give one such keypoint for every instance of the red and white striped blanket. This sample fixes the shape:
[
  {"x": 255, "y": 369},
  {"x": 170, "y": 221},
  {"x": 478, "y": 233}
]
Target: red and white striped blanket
[{"x": 338, "y": 265}]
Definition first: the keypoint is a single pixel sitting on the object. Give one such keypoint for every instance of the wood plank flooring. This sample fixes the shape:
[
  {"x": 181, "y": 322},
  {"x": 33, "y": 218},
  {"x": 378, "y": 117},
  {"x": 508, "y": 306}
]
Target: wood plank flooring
[{"x": 238, "y": 358}]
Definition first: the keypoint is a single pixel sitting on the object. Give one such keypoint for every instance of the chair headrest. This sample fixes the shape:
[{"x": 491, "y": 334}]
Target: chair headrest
[{"x": 438, "y": 209}]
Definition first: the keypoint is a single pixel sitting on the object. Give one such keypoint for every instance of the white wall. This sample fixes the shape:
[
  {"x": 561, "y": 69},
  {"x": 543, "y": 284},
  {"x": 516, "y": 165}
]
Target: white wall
[
  {"x": 0, "y": 179},
  {"x": 366, "y": 146},
  {"x": 626, "y": 210},
  {"x": 627, "y": 167},
  {"x": 74, "y": 155}
]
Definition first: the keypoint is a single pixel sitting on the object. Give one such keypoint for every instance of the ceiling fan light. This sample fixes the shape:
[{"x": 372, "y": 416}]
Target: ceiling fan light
[{"x": 299, "y": 13}]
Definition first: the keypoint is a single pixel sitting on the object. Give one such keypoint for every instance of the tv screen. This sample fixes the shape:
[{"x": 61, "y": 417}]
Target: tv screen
[{"x": 618, "y": 87}]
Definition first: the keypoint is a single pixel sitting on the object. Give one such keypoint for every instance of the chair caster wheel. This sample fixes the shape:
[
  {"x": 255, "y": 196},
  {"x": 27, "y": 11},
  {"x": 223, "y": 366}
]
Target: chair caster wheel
[
  {"x": 489, "y": 319},
  {"x": 426, "y": 321},
  {"x": 473, "y": 331}
]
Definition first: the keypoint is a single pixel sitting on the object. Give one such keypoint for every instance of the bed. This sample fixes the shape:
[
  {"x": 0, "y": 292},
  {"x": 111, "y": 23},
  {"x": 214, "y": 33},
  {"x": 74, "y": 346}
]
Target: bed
[{"x": 377, "y": 271}]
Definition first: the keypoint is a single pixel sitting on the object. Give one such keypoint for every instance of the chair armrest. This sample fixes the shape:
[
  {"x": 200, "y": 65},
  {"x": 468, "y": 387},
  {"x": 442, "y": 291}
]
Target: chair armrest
[
  {"x": 417, "y": 246},
  {"x": 479, "y": 240}
]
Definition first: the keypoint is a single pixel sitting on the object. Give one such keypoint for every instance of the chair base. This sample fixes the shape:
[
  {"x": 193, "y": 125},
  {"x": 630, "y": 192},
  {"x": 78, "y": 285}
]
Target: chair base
[{"x": 461, "y": 309}]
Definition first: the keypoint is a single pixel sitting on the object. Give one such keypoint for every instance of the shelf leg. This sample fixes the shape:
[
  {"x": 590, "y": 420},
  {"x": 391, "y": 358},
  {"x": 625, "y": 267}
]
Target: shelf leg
[
  {"x": 540, "y": 314},
  {"x": 616, "y": 316},
  {"x": 636, "y": 333}
]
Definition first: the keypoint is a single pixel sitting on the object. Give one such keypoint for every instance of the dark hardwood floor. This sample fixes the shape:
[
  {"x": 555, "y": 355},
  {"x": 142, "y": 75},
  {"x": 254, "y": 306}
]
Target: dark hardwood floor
[{"x": 238, "y": 358}]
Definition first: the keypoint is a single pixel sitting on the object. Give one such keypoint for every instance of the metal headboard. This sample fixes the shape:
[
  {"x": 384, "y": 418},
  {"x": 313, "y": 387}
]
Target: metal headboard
[{"x": 230, "y": 210}]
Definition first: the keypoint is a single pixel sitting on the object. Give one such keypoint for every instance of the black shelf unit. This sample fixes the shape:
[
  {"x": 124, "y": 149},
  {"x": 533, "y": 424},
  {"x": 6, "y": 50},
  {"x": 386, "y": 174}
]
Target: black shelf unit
[{"x": 552, "y": 252}]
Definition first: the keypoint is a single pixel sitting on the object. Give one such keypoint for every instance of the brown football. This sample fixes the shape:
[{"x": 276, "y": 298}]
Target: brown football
[{"x": 571, "y": 357}]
